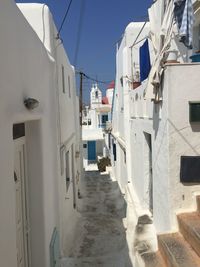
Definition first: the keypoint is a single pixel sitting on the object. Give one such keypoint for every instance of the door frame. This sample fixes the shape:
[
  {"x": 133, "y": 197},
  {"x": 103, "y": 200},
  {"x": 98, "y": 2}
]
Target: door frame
[{"x": 21, "y": 142}]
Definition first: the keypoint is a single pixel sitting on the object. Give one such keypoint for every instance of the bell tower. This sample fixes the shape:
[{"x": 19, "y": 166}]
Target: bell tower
[{"x": 95, "y": 96}]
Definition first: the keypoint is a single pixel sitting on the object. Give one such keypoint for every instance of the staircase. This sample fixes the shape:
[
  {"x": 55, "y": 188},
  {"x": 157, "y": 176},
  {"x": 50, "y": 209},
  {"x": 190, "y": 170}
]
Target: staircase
[{"x": 181, "y": 249}]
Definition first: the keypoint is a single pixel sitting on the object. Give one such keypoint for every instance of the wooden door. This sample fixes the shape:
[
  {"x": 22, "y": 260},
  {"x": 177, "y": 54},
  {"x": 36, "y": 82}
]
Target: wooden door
[{"x": 92, "y": 150}]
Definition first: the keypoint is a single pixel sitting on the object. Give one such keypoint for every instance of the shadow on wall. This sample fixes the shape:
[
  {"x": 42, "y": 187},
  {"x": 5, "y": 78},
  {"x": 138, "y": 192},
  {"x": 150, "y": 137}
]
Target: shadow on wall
[{"x": 185, "y": 140}]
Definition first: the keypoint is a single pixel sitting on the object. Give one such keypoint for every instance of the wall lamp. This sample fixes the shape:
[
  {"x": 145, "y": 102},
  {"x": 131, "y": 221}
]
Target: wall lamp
[{"x": 31, "y": 103}]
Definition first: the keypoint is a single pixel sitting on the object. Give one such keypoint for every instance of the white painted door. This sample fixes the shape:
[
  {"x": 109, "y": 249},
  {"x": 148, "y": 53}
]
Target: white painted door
[{"x": 22, "y": 222}]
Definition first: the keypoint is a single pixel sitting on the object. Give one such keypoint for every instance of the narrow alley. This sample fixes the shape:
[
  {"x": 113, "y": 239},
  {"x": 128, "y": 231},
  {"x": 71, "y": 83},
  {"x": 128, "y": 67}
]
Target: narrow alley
[
  {"x": 100, "y": 133},
  {"x": 101, "y": 235}
]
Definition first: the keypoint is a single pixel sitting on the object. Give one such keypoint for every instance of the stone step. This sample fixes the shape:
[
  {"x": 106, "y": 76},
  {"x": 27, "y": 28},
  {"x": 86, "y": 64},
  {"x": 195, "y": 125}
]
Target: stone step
[
  {"x": 177, "y": 252},
  {"x": 198, "y": 203},
  {"x": 153, "y": 260},
  {"x": 189, "y": 225}
]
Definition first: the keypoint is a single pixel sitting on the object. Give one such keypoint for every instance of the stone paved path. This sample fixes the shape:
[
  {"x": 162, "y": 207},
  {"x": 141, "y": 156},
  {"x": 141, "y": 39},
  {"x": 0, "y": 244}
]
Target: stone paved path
[{"x": 100, "y": 238}]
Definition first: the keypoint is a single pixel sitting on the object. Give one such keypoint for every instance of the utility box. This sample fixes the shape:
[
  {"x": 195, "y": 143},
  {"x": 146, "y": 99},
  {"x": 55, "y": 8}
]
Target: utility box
[{"x": 194, "y": 111}]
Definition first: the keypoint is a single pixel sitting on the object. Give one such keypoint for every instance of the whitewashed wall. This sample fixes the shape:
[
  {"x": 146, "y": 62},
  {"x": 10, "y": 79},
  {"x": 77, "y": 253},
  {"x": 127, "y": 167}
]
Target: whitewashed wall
[
  {"x": 172, "y": 136},
  {"x": 41, "y": 20},
  {"x": 167, "y": 122},
  {"x": 126, "y": 59},
  {"x": 184, "y": 137},
  {"x": 28, "y": 69}
]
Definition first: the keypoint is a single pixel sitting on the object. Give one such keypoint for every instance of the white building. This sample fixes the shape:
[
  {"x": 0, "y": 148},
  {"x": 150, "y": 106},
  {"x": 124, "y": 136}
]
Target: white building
[
  {"x": 39, "y": 158},
  {"x": 154, "y": 138},
  {"x": 95, "y": 121}
]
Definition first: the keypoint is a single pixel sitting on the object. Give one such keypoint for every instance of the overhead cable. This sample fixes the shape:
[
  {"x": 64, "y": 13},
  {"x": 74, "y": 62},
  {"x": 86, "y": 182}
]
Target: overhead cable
[
  {"x": 80, "y": 25},
  {"x": 92, "y": 79},
  {"x": 139, "y": 34},
  {"x": 96, "y": 80},
  {"x": 64, "y": 18}
]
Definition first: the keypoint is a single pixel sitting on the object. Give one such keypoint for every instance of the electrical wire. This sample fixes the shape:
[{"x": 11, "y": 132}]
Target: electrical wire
[
  {"x": 80, "y": 25},
  {"x": 92, "y": 79},
  {"x": 64, "y": 18},
  {"x": 139, "y": 34},
  {"x": 96, "y": 80}
]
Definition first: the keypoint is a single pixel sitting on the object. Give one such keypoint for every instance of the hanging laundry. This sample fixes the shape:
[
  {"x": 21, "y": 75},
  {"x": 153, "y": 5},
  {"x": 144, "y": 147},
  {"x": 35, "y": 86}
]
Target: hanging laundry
[
  {"x": 184, "y": 16},
  {"x": 145, "y": 63}
]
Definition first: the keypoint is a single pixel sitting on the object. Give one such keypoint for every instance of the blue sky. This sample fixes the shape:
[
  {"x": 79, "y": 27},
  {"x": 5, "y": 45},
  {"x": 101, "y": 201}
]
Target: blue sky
[{"x": 103, "y": 24}]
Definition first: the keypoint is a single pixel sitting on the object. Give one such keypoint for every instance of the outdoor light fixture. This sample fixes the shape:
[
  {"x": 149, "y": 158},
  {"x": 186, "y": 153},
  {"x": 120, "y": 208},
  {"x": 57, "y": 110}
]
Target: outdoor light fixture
[{"x": 31, "y": 103}]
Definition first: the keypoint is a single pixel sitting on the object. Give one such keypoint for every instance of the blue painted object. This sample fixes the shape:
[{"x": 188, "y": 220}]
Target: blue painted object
[
  {"x": 195, "y": 58},
  {"x": 55, "y": 249},
  {"x": 92, "y": 150},
  {"x": 145, "y": 62}
]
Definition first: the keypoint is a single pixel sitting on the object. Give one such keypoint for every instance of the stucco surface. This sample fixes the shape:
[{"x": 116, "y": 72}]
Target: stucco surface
[
  {"x": 31, "y": 68},
  {"x": 167, "y": 125}
]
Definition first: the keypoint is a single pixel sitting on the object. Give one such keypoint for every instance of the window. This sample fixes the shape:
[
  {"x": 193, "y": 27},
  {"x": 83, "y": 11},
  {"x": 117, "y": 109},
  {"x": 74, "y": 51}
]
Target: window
[
  {"x": 96, "y": 94},
  {"x": 125, "y": 157},
  {"x": 67, "y": 170},
  {"x": 109, "y": 141},
  {"x": 69, "y": 85},
  {"x": 114, "y": 152},
  {"x": 121, "y": 81},
  {"x": 194, "y": 111},
  {"x": 18, "y": 130},
  {"x": 104, "y": 118},
  {"x": 63, "y": 78},
  {"x": 84, "y": 145}
]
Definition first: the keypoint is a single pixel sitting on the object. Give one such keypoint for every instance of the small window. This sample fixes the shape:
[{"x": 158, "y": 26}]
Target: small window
[
  {"x": 114, "y": 152},
  {"x": 125, "y": 157},
  {"x": 18, "y": 130},
  {"x": 96, "y": 94},
  {"x": 63, "y": 78},
  {"x": 109, "y": 141},
  {"x": 69, "y": 85},
  {"x": 104, "y": 118},
  {"x": 84, "y": 145},
  {"x": 67, "y": 170},
  {"x": 194, "y": 111},
  {"x": 121, "y": 81}
]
